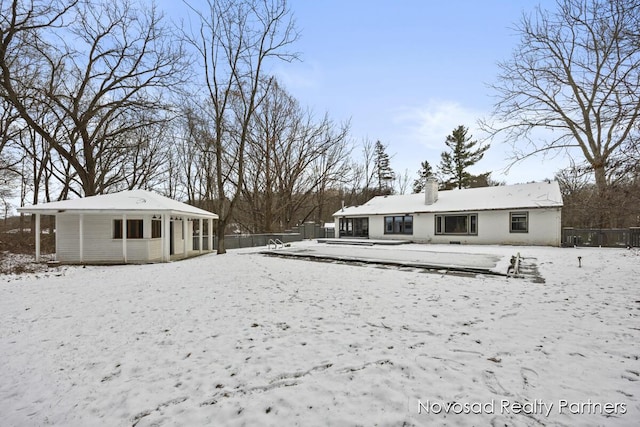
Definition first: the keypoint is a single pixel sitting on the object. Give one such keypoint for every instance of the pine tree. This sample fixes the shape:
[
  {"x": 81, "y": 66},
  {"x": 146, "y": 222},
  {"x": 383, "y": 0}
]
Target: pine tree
[
  {"x": 384, "y": 173},
  {"x": 463, "y": 154},
  {"x": 425, "y": 172}
]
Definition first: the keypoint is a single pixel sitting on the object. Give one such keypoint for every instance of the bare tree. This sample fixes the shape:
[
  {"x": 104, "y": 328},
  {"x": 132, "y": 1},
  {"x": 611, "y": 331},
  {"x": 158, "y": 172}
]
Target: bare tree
[
  {"x": 144, "y": 166},
  {"x": 311, "y": 163},
  {"x": 196, "y": 156},
  {"x": 236, "y": 41},
  {"x": 402, "y": 182},
  {"x": 576, "y": 72},
  {"x": 330, "y": 170},
  {"x": 273, "y": 136},
  {"x": 362, "y": 177},
  {"x": 293, "y": 159},
  {"x": 100, "y": 69},
  {"x": 584, "y": 206},
  {"x": 9, "y": 129},
  {"x": 8, "y": 172}
]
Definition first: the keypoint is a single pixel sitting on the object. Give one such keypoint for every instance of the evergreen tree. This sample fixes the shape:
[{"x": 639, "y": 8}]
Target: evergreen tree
[
  {"x": 425, "y": 172},
  {"x": 463, "y": 154},
  {"x": 384, "y": 173}
]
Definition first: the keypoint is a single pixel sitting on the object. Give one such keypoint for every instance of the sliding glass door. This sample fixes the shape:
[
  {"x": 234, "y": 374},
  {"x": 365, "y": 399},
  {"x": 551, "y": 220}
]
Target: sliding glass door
[{"x": 354, "y": 227}]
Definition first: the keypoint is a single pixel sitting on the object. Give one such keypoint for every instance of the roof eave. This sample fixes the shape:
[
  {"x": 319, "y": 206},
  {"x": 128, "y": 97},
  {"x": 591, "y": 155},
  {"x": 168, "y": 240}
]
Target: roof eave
[
  {"x": 55, "y": 211},
  {"x": 339, "y": 214}
]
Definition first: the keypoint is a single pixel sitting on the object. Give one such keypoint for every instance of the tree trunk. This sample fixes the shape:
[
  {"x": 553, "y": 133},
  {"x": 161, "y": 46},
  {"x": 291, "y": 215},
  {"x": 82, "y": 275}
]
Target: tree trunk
[
  {"x": 603, "y": 213},
  {"x": 601, "y": 178},
  {"x": 221, "y": 226}
]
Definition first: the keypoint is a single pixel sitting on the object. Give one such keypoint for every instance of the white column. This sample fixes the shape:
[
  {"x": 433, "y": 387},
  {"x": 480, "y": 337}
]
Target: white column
[
  {"x": 210, "y": 233},
  {"x": 124, "y": 237},
  {"x": 200, "y": 230},
  {"x": 184, "y": 237},
  {"x": 81, "y": 232},
  {"x": 161, "y": 238},
  {"x": 56, "y": 231},
  {"x": 166, "y": 242},
  {"x": 37, "y": 237}
]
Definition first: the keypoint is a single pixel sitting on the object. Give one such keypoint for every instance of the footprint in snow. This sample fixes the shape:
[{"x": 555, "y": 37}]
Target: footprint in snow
[
  {"x": 529, "y": 377},
  {"x": 492, "y": 383},
  {"x": 631, "y": 375}
]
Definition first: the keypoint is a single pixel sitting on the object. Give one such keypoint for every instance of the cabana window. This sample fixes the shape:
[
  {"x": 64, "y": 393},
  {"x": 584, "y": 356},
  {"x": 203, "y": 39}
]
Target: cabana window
[
  {"x": 156, "y": 228},
  {"x": 135, "y": 229}
]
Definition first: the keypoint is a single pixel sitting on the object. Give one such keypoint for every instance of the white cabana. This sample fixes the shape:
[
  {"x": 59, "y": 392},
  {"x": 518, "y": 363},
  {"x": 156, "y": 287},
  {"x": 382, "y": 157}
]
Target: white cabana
[{"x": 130, "y": 226}]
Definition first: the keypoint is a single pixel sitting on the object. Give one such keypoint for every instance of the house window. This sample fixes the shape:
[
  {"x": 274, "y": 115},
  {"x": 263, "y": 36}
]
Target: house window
[
  {"x": 519, "y": 222},
  {"x": 134, "y": 228},
  {"x": 354, "y": 227},
  {"x": 398, "y": 224},
  {"x": 156, "y": 228},
  {"x": 457, "y": 224}
]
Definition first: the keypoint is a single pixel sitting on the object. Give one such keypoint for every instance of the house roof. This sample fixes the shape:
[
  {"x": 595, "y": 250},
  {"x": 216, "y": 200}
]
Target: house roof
[
  {"x": 139, "y": 201},
  {"x": 519, "y": 196}
]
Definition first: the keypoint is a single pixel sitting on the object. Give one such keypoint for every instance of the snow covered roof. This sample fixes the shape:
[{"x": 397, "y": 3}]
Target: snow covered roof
[
  {"x": 519, "y": 196},
  {"x": 125, "y": 201}
]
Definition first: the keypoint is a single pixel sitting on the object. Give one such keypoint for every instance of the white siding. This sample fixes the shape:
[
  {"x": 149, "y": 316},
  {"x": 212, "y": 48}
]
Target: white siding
[
  {"x": 155, "y": 250},
  {"x": 424, "y": 227},
  {"x": 376, "y": 229},
  {"x": 98, "y": 242},
  {"x": 493, "y": 228},
  {"x": 67, "y": 240}
]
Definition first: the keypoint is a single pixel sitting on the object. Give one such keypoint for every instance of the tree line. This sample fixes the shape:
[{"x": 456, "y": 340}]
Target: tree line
[
  {"x": 108, "y": 95},
  {"x": 104, "y": 96},
  {"x": 575, "y": 74}
]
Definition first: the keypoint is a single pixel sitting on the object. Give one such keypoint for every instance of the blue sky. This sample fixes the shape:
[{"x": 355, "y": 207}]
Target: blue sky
[{"x": 408, "y": 72}]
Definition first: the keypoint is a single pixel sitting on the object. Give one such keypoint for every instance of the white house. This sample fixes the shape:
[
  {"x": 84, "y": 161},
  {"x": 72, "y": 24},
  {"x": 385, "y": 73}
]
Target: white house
[
  {"x": 523, "y": 214},
  {"x": 135, "y": 226}
]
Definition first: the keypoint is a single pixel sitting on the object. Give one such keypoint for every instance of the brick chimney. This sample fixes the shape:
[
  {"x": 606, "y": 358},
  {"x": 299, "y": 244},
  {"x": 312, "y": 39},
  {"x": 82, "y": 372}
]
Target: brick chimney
[{"x": 431, "y": 191}]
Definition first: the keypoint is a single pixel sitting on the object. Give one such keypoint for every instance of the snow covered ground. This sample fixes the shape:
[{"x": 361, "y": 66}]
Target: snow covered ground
[{"x": 246, "y": 339}]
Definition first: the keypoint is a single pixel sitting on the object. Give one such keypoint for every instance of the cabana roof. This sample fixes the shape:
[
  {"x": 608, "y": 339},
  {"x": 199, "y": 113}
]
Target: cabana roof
[{"x": 138, "y": 201}]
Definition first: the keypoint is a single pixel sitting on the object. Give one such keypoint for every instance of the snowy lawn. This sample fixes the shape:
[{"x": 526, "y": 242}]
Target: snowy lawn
[{"x": 245, "y": 339}]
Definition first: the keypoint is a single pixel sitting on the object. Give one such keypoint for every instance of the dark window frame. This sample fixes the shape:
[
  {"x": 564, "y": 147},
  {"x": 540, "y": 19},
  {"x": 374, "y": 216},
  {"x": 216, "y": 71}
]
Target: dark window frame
[
  {"x": 398, "y": 224},
  {"x": 135, "y": 229},
  {"x": 353, "y": 227},
  {"x": 518, "y": 215},
  {"x": 156, "y": 228},
  {"x": 444, "y": 222}
]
